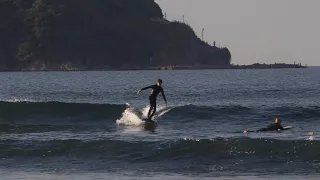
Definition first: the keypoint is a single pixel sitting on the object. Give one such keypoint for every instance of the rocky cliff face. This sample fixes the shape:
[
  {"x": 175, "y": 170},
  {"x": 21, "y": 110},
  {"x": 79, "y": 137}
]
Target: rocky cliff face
[{"x": 100, "y": 34}]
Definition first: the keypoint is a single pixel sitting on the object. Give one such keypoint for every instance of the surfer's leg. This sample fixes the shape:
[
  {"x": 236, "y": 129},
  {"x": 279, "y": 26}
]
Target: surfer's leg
[
  {"x": 149, "y": 112},
  {"x": 152, "y": 109},
  {"x": 154, "y": 105},
  {"x": 153, "y": 112}
]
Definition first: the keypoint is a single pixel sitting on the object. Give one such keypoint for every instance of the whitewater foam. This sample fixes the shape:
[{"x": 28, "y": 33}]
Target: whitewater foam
[
  {"x": 159, "y": 113},
  {"x": 133, "y": 117},
  {"x": 129, "y": 117},
  {"x": 16, "y": 100}
]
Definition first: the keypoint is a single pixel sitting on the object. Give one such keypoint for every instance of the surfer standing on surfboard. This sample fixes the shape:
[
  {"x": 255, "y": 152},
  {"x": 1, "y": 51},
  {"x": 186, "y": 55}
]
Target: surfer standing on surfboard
[
  {"x": 156, "y": 89},
  {"x": 272, "y": 127}
]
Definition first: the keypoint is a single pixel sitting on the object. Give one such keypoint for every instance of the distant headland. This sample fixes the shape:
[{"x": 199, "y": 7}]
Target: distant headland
[
  {"x": 231, "y": 66},
  {"x": 40, "y": 35}
]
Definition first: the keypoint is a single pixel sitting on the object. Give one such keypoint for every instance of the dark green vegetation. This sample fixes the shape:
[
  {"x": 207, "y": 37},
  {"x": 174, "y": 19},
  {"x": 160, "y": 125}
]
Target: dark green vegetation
[{"x": 97, "y": 34}]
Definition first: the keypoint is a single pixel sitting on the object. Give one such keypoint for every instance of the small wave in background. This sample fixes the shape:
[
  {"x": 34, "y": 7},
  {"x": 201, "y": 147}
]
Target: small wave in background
[{"x": 69, "y": 126}]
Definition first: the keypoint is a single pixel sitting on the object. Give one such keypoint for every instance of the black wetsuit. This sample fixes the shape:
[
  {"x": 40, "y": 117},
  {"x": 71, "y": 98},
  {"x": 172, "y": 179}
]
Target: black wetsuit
[
  {"x": 153, "y": 98},
  {"x": 271, "y": 127}
]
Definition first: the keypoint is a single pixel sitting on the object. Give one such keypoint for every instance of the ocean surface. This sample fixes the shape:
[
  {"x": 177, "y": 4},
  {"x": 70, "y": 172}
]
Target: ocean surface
[{"x": 87, "y": 125}]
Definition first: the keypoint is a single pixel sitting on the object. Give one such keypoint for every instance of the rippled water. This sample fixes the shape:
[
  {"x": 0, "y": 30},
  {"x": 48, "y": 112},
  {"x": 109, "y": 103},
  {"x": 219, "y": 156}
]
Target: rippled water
[{"x": 67, "y": 125}]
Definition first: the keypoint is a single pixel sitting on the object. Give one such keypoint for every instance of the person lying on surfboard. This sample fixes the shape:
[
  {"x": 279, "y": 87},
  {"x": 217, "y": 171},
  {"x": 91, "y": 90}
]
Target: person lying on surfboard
[
  {"x": 272, "y": 127},
  {"x": 156, "y": 89}
]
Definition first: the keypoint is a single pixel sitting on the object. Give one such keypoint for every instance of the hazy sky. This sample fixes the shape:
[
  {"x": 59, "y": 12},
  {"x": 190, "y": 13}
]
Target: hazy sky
[{"x": 255, "y": 30}]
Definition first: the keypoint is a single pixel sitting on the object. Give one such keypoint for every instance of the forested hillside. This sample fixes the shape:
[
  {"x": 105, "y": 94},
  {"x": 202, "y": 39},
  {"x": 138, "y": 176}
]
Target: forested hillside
[{"x": 97, "y": 34}]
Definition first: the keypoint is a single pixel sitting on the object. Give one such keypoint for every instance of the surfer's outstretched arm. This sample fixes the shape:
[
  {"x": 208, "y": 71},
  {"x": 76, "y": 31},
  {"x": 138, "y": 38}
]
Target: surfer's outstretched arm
[
  {"x": 148, "y": 87},
  {"x": 164, "y": 96},
  {"x": 262, "y": 130}
]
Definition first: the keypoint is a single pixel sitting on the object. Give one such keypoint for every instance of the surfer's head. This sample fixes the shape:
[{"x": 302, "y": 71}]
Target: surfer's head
[
  {"x": 159, "y": 82},
  {"x": 277, "y": 121}
]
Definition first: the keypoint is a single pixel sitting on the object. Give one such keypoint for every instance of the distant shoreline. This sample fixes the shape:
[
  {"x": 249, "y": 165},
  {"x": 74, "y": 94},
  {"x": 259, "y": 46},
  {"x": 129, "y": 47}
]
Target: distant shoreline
[
  {"x": 253, "y": 66},
  {"x": 197, "y": 67},
  {"x": 159, "y": 68}
]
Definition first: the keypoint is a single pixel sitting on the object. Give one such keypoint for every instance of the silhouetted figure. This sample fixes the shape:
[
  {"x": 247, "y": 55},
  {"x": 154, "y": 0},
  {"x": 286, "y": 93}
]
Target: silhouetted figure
[{"x": 156, "y": 89}]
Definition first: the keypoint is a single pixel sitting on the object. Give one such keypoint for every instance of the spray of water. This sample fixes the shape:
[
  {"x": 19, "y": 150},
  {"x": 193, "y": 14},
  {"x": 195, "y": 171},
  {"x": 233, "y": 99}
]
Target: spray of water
[{"x": 133, "y": 117}]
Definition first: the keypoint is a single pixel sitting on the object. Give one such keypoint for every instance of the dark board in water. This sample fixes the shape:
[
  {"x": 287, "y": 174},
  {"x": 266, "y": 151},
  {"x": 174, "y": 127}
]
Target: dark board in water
[
  {"x": 279, "y": 130},
  {"x": 149, "y": 124}
]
